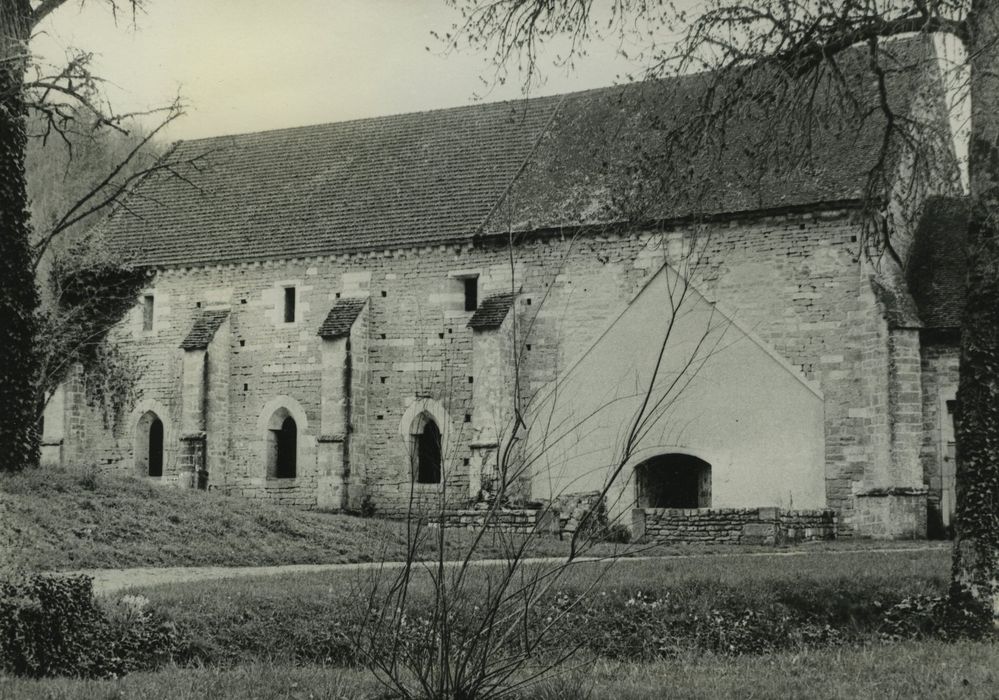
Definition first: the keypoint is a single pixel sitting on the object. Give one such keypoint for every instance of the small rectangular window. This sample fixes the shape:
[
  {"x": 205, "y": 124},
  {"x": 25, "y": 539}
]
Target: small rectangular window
[
  {"x": 471, "y": 293},
  {"x": 147, "y": 312},
  {"x": 289, "y": 304}
]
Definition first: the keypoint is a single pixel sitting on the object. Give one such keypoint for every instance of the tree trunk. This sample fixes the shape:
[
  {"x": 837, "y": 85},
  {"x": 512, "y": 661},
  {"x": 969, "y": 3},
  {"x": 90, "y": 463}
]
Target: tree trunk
[
  {"x": 976, "y": 548},
  {"x": 19, "y": 296}
]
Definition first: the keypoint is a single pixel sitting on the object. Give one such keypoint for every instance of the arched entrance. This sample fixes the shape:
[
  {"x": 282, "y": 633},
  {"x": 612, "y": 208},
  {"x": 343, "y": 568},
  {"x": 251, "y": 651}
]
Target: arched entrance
[
  {"x": 282, "y": 446},
  {"x": 673, "y": 481},
  {"x": 427, "y": 456},
  {"x": 149, "y": 445}
]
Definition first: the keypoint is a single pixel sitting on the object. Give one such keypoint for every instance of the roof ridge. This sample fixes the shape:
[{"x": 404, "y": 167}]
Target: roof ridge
[{"x": 418, "y": 112}]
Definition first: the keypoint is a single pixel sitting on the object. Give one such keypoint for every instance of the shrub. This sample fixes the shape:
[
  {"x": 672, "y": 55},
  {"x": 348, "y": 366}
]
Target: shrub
[
  {"x": 51, "y": 625},
  {"x": 932, "y": 617}
]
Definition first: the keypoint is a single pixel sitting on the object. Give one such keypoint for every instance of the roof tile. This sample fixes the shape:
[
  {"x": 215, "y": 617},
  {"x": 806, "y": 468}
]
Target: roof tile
[
  {"x": 492, "y": 311},
  {"x": 342, "y": 316},
  {"x": 203, "y": 330},
  {"x": 435, "y": 177}
]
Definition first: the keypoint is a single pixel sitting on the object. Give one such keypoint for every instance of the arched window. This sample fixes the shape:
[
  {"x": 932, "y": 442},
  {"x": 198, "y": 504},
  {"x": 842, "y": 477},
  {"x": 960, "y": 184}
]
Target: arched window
[
  {"x": 674, "y": 481},
  {"x": 282, "y": 446},
  {"x": 149, "y": 445},
  {"x": 156, "y": 448},
  {"x": 427, "y": 451}
]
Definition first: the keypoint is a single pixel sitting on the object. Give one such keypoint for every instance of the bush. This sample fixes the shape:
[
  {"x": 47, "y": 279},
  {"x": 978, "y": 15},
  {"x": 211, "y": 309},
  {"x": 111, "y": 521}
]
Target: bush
[
  {"x": 48, "y": 626},
  {"x": 51, "y": 625}
]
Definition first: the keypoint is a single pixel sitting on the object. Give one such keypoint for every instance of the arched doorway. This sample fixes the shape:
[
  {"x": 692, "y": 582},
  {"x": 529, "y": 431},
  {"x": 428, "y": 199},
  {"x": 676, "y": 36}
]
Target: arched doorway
[
  {"x": 282, "y": 446},
  {"x": 427, "y": 451},
  {"x": 149, "y": 445},
  {"x": 673, "y": 481}
]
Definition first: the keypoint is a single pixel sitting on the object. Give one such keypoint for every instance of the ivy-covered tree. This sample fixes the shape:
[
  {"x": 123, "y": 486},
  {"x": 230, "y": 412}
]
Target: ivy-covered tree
[
  {"x": 66, "y": 106},
  {"x": 754, "y": 56}
]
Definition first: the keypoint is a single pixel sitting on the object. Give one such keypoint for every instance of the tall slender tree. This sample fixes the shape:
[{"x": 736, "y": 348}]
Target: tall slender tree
[
  {"x": 67, "y": 106},
  {"x": 764, "y": 49}
]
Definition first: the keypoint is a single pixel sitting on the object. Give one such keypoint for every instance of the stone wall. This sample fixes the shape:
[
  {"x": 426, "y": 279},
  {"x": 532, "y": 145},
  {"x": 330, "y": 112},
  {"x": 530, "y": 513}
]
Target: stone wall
[
  {"x": 523, "y": 521},
  {"x": 892, "y": 513},
  {"x": 793, "y": 279},
  {"x": 731, "y": 525}
]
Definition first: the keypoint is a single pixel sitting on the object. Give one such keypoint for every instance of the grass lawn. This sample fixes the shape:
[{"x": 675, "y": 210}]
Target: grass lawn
[
  {"x": 66, "y": 519},
  {"x": 965, "y": 670},
  {"x": 303, "y": 618}
]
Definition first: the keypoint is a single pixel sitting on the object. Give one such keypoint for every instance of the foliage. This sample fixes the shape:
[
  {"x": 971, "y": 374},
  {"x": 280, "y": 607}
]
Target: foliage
[{"x": 51, "y": 625}]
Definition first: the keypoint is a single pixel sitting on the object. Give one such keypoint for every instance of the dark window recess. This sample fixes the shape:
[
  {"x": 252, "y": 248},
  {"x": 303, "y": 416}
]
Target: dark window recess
[
  {"x": 466, "y": 461},
  {"x": 289, "y": 304},
  {"x": 471, "y": 380},
  {"x": 156, "y": 448},
  {"x": 197, "y": 305},
  {"x": 468, "y": 418},
  {"x": 287, "y": 449},
  {"x": 246, "y": 387},
  {"x": 471, "y": 293},
  {"x": 441, "y": 336},
  {"x": 384, "y": 293},
  {"x": 242, "y": 343},
  {"x": 383, "y": 380},
  {"x": 951, "y": 407},
  {"x": 428, "y": 454},
  {"x": 242, "y": 301},
  {"x": 147, "y": 312}
]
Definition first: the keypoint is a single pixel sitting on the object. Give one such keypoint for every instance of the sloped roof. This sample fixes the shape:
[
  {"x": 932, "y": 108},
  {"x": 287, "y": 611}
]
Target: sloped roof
[
  {"x": 492, "y": 311},
  {"x": 342, "y": 316},
  {"x": 203, "y": 330},
  {"x": 441, "y": 176},
  {"x": 937, "y": 264}
]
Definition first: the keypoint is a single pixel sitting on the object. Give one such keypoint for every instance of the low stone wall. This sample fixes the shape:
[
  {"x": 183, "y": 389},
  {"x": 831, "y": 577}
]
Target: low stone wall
[
  {"x": 731, "y": 525},
  {"x": 520, "y": 520},
  {"x": 562, "y": 515}
]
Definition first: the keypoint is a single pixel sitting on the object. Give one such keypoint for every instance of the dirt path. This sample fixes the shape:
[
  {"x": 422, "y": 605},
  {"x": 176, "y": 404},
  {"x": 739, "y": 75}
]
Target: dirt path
[{"x": 114, "y": 580}]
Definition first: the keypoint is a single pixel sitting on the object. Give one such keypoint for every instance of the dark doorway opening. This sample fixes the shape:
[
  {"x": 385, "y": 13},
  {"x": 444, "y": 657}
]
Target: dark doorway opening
[
  {"x": 674, "y": 481},
  {"x": 156, "y": 448},
  {"x": 286, "y": 449},
  {"x": 428, "y": 454}
]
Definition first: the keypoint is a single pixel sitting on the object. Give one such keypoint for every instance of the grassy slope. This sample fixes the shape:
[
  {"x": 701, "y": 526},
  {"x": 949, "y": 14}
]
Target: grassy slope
[{"x": 71, "y": 519}]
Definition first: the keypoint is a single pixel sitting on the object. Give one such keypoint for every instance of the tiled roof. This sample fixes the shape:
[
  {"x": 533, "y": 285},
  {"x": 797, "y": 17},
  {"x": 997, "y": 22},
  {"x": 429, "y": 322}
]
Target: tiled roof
[
  {"x": 937, "y": 265},
  {"x": 440, "y": 176},
  {"x": 342, "y": 316},
  {"x": 492, "y": 311},
  {"x": 203, "y": 329}
]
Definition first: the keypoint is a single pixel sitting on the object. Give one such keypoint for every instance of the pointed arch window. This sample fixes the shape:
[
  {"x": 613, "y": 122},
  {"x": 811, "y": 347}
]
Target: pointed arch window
[
  {"x": 427, "y": 451},
  {"x": 282, "y": 446}
]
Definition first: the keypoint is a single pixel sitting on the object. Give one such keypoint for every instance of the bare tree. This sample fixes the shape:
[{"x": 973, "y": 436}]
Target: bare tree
[
  {"x": 760, "y": 55},
  {"x": 68, "y": 104},
  {"x": 441, "y": 626}
]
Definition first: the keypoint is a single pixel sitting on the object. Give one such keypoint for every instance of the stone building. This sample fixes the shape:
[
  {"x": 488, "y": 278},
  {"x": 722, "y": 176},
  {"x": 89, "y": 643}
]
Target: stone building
[{"x": 344, "y": 317}]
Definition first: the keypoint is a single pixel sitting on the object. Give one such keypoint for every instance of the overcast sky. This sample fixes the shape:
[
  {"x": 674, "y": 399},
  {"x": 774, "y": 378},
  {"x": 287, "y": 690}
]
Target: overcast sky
[{"x": 247, "y": 65}]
